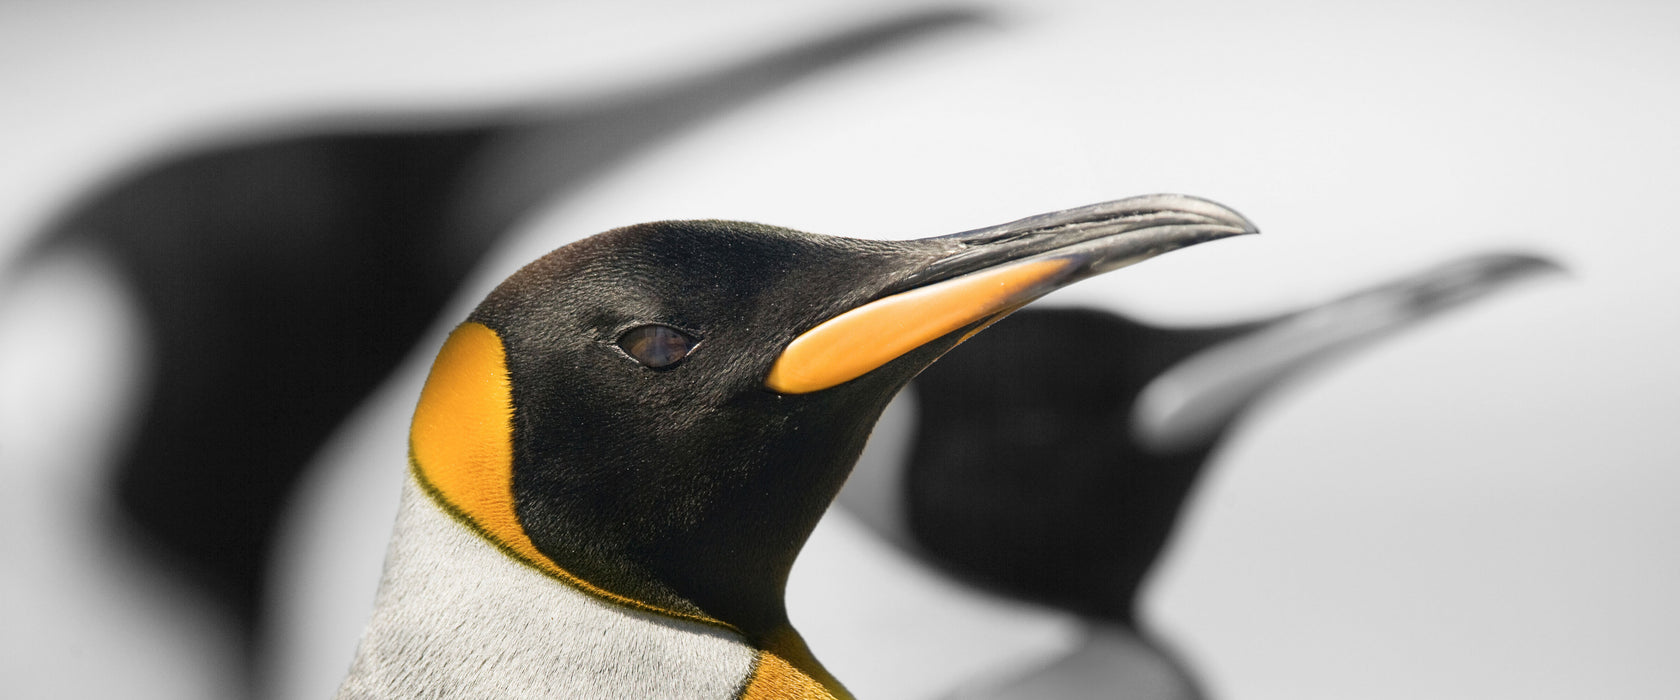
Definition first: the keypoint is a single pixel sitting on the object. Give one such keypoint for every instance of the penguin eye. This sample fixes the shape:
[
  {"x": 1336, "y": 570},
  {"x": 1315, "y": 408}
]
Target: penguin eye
[{"x": 657, "y": 346}]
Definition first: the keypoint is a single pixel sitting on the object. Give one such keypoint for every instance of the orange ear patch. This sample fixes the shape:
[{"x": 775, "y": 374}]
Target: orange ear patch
[
  {"x": 462, "y": 439},
  {"x": 461, "y": 451}
]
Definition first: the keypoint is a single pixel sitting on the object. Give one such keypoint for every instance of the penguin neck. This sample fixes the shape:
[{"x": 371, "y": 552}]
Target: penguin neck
[
  {"x": 456, "y": 612},
  {"x": 729, "y": 570},
  {"x": 720, "y": 548}
]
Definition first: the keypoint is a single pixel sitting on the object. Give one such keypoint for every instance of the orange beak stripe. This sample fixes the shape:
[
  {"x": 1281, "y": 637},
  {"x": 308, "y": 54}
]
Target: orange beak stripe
[{"x": 852, "y": 344}]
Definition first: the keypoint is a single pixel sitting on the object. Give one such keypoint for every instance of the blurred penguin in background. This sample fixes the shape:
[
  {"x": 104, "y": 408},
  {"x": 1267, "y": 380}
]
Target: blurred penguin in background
[
  {"x": 1053, "y": 455},
  {"x": 277, "y": 278}
]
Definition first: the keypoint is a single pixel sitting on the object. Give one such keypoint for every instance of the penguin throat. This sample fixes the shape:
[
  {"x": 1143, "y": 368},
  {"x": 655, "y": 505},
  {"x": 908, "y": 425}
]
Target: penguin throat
[{"x": 718, "y": 555}]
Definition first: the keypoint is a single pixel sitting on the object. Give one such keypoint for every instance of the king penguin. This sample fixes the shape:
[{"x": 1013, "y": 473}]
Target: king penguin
[
  {"x": 617, "y": 457},
  {"x": 1053, "y": 456},
  {"x": 281, "y": 274}
]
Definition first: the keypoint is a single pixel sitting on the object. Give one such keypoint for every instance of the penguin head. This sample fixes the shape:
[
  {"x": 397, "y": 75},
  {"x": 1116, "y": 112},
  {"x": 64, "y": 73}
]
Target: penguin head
[{"x": 660, "y": 413}]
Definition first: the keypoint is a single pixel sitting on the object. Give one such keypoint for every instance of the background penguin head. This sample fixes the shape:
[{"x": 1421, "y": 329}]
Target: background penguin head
[
  {"x": 1055, "y": 455},
  {"x": 655, "y": 454}
]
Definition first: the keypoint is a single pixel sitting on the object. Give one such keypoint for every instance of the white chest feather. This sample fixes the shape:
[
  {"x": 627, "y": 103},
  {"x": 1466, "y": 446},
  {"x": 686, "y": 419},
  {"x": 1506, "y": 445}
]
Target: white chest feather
[{"x": 456, "y": 618}]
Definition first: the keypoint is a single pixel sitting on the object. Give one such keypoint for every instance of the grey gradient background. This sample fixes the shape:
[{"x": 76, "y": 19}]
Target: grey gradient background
[{"x": 1481, "y": 508}]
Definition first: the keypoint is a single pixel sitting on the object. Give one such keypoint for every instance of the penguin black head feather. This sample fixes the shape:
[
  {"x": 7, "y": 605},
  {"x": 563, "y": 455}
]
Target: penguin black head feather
[{"x": 660, "y": 414}]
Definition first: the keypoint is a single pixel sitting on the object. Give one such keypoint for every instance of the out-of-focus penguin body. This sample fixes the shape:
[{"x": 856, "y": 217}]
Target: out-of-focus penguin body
[
  {"x": 1047, "y": 397},
  {"x": 616, "y": 459},
  {"x": 1054, "y": 455},
  {"x": 282, "y": 276}
]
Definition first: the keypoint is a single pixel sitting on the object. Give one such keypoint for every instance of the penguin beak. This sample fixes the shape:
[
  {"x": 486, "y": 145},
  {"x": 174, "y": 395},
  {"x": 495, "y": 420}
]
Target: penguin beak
[
  {"x": 988, "y": 273},
  {"x": 1191, "y": 403}
]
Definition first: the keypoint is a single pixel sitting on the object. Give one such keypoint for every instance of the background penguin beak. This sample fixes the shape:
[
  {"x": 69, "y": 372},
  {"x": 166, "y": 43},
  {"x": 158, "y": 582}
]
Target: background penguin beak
[
  {"x": 991, "y": 272},
  {"x": 1200, "y": 396}
]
